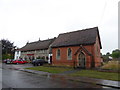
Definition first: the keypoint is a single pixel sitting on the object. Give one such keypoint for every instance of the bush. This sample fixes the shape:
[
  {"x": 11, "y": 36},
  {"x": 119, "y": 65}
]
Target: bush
[
  {"x": 114, "y": 65},
  {"x": 6, "y": 56}
]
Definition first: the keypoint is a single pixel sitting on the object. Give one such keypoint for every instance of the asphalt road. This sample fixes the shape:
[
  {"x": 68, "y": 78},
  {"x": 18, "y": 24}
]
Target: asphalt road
[
  {"x": 19, "y": 79},
  {"x": 0, "y": 78}
]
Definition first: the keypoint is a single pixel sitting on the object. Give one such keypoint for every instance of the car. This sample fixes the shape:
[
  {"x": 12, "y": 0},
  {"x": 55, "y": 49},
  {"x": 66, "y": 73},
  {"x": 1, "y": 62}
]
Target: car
[
  {"x": 38, "y": 62},
  {"x": 7, "y": 61},
  {"x": 25, "y": 61},
  {"x": 19, "y": 61},
  {"x": 4, "y": 61}
]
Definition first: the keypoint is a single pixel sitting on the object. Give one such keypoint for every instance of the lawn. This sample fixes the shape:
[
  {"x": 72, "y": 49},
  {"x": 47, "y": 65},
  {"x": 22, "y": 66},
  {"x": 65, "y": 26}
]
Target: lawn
[
  {"x": 50, "y": 69},
  {"x": 97, "y": 74},
  {"x": 84, "y": 73}
]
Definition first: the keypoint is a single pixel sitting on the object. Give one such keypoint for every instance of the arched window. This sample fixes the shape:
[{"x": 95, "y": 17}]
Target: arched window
[
  {"x": 58, "y": 54},
  {"x": 69, "y": 54}
]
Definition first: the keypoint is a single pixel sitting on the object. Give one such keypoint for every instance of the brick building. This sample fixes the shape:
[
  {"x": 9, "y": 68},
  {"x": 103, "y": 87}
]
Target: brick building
[{"x": 79, "y": 49}]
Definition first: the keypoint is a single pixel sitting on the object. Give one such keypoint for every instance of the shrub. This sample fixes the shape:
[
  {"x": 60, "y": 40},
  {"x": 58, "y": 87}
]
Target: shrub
[{"x": 115, "y": 65}]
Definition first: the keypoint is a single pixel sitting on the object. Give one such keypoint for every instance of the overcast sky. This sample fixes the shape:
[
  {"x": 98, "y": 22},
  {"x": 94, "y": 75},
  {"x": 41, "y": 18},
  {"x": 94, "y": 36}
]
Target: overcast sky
[{"x": 28, "y": 20}]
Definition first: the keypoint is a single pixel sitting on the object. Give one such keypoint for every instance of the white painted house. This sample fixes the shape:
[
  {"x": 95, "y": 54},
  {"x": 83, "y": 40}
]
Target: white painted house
[{"x": 17, "y": 54}]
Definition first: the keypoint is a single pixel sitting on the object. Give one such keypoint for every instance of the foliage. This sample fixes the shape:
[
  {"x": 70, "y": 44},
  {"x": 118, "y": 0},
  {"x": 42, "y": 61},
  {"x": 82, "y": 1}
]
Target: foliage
[
  {"x": 6, "y": 56},
  {"x": 8, "y": 49},
  {"x": 116, "y": 53},
  {"x": 106, "y": 57},
  {"x": 97, "y": 74},
  {"x": 114, "y": 65}
]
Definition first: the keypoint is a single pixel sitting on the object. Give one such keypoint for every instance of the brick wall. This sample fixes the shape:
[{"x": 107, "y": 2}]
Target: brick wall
[
  {"x": 93, "y": 49},
  {"x": 63, "y": 58}
]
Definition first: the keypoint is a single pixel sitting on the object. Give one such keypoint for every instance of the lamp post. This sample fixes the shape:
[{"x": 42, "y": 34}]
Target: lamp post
[{"x": 0, "y": 50}]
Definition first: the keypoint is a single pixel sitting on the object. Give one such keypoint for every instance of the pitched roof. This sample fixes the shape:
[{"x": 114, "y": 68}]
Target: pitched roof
[
  {"x": 76, "y": 38},
  {"x": 44, "y": 44}
]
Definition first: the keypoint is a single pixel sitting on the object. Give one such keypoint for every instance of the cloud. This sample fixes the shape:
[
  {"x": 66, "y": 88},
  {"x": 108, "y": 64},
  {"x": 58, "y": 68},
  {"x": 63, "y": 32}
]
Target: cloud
[{"x": 27, "y": 20}]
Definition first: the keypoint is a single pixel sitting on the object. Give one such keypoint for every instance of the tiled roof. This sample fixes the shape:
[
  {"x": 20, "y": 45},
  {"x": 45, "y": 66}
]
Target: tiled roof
[
  {"x": 76, "y": 38},
  {"x": 44, "y": 44}
]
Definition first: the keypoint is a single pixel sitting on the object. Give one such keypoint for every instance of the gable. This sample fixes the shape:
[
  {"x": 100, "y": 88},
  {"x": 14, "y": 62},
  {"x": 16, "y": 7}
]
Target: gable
[{"x": 84, "y": 49}]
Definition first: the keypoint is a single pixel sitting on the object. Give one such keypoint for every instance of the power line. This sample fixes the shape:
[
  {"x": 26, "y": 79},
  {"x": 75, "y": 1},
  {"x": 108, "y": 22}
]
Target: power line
[{"x": 103, "y": 12}]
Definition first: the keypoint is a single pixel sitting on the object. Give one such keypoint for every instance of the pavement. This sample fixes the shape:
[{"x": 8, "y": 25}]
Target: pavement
[{"x": 102, "y": 82}]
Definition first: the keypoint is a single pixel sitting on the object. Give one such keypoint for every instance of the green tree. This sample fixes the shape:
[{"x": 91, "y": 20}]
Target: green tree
[
  {"x": 8, "y": 49},
  {"x": 116, "y": 53},
  {"x": 106, "y": 57}
]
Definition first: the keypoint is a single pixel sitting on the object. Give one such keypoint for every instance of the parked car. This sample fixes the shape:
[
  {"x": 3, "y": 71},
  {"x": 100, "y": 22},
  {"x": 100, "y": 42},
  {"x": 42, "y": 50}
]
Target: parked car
[
  {"x": 7, "y": 61},
  {"x": 38, "y": 62},
  {"x": 4, "y": 61},
  {"x": 19, "y": 61},
  {"x": 25, "y": 61}
]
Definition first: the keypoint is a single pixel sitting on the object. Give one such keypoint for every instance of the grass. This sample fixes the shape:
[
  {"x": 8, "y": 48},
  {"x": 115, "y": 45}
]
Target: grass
[
  {"x": 85, "y": 73},
  {"x": 114, "y": 65},
  {"x": 50, "y": 69},
  {"x": 97, "y": 74}
]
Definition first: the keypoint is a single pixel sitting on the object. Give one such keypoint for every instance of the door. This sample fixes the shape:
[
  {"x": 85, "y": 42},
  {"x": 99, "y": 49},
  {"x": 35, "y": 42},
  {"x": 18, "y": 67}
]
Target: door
[
  {"x": 50, "y": 59},
  {"x": 81, "y": 60}
]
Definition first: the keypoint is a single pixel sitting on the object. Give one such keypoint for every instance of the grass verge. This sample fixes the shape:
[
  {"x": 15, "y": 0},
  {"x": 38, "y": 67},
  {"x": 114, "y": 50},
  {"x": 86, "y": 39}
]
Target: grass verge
[
  {"x": 97, "y": 74},
  {"x": 50, "y": 69}
]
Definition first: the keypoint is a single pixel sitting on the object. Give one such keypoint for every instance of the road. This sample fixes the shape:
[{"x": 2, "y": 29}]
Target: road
[
  {"x": 19, "y": 79},
  {"x": 0, "y": 78}
]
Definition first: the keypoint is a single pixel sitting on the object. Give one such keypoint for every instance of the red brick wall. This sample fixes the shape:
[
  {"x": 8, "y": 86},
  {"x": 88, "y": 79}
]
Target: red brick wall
[
  {"x": 63, "y": 59},
  {"x": 97, "y": 56}
]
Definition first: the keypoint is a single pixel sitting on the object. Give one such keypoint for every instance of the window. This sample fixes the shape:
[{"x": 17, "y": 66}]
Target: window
[
  {"x": 58, "y": 54},
  {"x": 17, "y": 52},
  {"x": 69, "y": 54}
]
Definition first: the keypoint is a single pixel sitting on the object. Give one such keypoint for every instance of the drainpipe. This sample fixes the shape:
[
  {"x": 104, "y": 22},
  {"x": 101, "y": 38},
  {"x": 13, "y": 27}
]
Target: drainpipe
[{"x": 92, "y": 62}]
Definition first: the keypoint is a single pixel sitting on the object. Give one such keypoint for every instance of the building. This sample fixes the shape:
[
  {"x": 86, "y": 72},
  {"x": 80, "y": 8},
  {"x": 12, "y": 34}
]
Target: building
[
  {"x": 78, "y": 49},
  {"x": 37, "y": 50},
  {"x": 17, "y": 54}
]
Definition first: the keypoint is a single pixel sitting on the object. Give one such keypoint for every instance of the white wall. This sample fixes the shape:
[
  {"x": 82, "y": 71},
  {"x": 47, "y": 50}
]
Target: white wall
[{"x": 17, "y": 55}]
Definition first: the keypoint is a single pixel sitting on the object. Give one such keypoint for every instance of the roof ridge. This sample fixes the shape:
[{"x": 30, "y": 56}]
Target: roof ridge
[
  {"x": 79, "y": 30},
  {"x": 42, "y": 40}
]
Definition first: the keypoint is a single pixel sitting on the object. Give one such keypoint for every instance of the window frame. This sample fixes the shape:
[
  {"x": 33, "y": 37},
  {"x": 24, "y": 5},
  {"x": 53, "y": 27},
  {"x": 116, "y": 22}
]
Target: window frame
[
  {"x": 69, "y": 57},
  {"x": 58, "y": 57}
]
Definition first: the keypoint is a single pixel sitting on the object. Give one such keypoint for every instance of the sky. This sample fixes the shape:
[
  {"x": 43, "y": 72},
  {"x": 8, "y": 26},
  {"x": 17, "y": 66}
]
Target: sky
[{"x": 23, "y": 21}]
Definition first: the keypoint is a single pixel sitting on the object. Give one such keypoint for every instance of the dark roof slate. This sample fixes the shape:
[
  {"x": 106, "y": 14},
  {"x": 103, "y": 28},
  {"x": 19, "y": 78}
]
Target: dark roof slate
[
  {"x": 76, "y": 38},
  {"x": 44, "y": 44}
]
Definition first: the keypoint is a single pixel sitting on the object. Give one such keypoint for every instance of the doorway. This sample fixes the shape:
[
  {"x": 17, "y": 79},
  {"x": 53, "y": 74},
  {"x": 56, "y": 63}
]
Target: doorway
[{"x": 81, "y": 60}]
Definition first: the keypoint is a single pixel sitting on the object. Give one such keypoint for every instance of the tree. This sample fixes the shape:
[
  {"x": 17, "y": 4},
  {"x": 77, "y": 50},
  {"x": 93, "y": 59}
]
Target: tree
[
  {"x": 116, "y": 53},
  {"x": 108, "y": 54},
  {"x": 8, "y": 49},
  {"x": 106, "y": 57}
]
